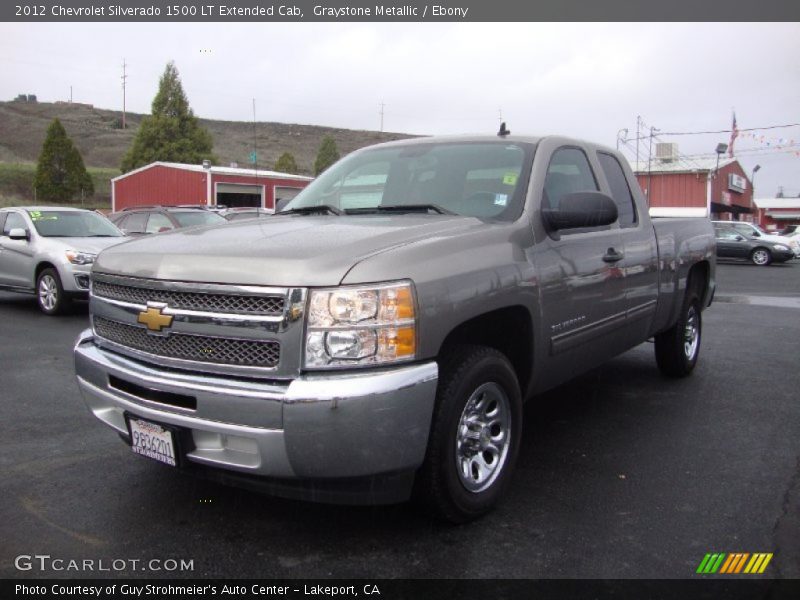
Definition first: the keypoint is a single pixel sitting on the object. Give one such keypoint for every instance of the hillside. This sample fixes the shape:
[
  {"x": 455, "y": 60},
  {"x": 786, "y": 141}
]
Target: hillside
[{"x": 102, "y": 143}]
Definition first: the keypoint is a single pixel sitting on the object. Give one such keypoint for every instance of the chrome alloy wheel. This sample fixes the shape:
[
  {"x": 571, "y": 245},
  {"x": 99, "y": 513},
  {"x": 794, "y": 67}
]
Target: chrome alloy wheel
[
  {"x": 48, "y": 292},
  {"x": 761, "y": 257},
  {"x": 691, "y": 334},
  {"x": 484, "y": 434}
]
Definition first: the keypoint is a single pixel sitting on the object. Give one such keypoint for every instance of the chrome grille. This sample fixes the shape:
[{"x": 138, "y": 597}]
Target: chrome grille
[
  {"x": 200, "y": 301},
  {"x": 223, "y": 351}
]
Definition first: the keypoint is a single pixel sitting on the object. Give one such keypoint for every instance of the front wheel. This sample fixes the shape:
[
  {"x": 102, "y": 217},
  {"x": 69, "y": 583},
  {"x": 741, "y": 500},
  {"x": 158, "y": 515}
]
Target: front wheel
[
  {"x": 50, "y": 293},
  {"x": 678, "y": 348},
  {"x": 761, "y": 257},
  {"x": 475, "y": 435}
]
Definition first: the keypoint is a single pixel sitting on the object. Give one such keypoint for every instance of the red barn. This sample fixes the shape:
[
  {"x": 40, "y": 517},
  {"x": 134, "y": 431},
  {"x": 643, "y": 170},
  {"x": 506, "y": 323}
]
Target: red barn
[
  {"x": 170, "y": 184},
  {"x": 678, "y": 186}
]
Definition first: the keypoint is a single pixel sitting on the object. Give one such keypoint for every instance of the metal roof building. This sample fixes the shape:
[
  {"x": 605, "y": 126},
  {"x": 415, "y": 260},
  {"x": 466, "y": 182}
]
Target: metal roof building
[
  {"x": 171, "y": 184},
  {"x": 776, "y": 213},
  {"x": 678, "y": 186}
]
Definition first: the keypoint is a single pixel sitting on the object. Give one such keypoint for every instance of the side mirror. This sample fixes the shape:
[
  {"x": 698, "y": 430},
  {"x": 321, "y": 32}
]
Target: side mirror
[
  {"x": 18, "y": 233},
  {"x": 281, "y": 203},
  {"x": 581, "y": 209},
  {"x": 755, "y": 234}
]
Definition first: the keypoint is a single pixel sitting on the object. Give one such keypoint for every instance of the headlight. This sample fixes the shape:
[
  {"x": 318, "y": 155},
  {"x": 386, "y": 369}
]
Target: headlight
[
  {"x": 781, "y": 247},
  {"x": 80, "y": 258},
  {"x": 365, "y": 325}
]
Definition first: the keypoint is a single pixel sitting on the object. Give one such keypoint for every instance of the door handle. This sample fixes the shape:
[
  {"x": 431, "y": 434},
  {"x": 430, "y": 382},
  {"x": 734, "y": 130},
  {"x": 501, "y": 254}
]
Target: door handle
[{"x": 612, "y": 256}]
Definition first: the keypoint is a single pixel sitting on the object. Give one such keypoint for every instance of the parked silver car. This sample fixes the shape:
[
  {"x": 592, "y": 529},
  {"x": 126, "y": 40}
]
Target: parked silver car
[{"x": 49, "y": 251}]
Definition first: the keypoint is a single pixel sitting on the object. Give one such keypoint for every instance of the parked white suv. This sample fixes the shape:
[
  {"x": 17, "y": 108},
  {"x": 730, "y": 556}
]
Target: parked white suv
[
  {"x": 49, "y": 251},
  {"x": 754, "y": 232}
]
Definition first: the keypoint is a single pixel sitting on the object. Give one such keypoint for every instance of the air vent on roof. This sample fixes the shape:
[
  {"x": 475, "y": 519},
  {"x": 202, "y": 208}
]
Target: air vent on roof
[{"x": 667, "y": 152}]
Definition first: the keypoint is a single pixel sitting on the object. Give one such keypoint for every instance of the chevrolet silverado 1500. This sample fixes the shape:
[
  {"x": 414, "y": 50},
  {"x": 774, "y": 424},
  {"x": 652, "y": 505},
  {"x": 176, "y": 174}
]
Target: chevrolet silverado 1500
[{"x": 378, "y": 338}]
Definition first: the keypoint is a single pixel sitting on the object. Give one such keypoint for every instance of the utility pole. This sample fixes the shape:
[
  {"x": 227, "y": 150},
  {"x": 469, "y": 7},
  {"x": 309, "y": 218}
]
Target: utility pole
[
  {"x": 638, "y": 121},
  {"x": 649, "y": 160},
  {"x": 70, "y": 94},
  {"x": 124, "y": 83},
  {"x": 382, "y": 107}
]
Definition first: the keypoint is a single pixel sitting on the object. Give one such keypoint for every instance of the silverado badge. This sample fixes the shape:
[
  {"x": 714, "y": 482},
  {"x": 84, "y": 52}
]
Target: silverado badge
[{"x": 154, "y": 317}]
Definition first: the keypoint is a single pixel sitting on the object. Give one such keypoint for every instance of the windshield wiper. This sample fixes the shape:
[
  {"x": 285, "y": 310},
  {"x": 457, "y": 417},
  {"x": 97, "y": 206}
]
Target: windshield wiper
[
  {"x": 102, "y": 235},
  {"x": 401, "y": 208},
  {"x": 310, "y": 210}
]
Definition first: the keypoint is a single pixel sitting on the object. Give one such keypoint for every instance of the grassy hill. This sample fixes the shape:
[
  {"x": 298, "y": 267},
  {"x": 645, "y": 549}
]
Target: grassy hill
[{"x": 97, "y": 134}]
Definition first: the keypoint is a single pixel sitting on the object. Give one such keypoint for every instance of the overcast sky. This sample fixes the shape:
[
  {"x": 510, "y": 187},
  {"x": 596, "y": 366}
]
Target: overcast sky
[{"x": 584, "y": 80}]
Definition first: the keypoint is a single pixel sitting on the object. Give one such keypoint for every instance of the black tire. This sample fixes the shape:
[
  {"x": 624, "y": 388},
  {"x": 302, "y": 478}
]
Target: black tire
[
  {"x": 678, "y": 348},
  {"x": 50, "y": 295},
  {"x": 761, "y": 257},
  {"x": 471, "y": 377}
]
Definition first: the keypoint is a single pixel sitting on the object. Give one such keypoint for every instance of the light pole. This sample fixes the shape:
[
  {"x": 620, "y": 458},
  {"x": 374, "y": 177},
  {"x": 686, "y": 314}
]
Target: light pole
[
  {"x": 721, "y": 149},
  {"x": 753, "y": 193},
  {"x": 710, "y": 196}
]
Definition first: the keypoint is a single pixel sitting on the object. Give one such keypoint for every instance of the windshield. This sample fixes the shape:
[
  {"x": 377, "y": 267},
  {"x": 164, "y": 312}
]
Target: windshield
[
  {"x": 197, "y": 217},
  {"x": 64, "y": 223},
  {"x": 478, "y": 179}
]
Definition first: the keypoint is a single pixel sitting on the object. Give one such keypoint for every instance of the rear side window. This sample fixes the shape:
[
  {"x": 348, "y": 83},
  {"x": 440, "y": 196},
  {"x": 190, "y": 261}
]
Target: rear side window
[
  {"x": 134, "y": 223},
  {"x": 620, "y": 191},
  {"x": 157, "y": 223},
  {"x": 568, "y": 172}
]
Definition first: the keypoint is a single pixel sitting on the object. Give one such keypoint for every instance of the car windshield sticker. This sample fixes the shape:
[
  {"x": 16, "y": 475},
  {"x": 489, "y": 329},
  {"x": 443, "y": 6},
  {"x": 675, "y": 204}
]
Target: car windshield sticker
[
  {"x": 510, "y": 179},
  {"x": 500, "y": 199}
]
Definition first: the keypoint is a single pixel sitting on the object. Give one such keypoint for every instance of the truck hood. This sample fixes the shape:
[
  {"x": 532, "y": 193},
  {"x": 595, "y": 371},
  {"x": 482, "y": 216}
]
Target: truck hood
[{"x": 297, "y": 250}]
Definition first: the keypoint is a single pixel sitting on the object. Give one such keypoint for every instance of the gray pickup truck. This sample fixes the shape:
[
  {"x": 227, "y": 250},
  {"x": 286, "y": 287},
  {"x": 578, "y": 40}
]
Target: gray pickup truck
[{"x": 377, "y": 339}]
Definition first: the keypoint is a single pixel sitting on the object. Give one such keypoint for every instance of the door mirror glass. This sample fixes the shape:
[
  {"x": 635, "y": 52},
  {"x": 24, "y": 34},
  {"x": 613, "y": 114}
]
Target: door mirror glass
[{"x": 581, "y": 210}]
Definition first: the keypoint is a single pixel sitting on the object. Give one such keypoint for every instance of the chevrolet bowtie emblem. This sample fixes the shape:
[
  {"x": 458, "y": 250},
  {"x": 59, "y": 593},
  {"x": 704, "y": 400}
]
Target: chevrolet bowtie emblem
[{"x": 154, "y": 318}]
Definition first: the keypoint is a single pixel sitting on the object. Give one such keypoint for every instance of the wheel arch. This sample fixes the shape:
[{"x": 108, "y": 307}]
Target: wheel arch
[{"x": 508, "y": 330}]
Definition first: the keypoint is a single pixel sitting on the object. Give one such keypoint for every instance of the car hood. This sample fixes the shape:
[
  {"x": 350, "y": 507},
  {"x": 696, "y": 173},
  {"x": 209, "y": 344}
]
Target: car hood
[
  {"x": 92, "y": 245},
  {"x": 297, "y": 250}
]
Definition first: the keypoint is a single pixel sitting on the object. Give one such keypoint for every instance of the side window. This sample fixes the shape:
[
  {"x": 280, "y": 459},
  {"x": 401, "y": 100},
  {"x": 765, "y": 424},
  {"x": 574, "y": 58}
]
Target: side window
[
  {"x": 158, "y": 222},
  {"x": 569, "y": 171},
  {"x": 620, "y": 191},
  {"x": 134, "y": 223},
  {"x": 14, "y": 221},
  {"x": 2, "y": 219}
]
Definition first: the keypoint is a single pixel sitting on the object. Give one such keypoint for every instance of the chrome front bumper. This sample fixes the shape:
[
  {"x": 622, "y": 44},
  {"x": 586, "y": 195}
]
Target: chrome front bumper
[{"x": 316, "y": 427}]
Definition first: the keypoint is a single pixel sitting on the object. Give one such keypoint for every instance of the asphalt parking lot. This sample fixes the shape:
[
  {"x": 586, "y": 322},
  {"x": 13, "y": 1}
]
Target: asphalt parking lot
[{"x": 622, "y": 473}]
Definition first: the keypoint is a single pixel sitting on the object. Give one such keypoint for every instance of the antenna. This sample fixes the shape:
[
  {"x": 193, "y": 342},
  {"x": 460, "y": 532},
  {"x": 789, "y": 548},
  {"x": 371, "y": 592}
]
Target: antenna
[
  {"x": 503, "y": 131},
  {"x": 124, "y": 83}
]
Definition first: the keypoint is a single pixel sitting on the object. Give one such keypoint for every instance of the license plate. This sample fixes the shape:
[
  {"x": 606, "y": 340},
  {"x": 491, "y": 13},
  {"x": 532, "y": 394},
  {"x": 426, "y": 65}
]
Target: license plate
[{"x": 152, "y": 440}]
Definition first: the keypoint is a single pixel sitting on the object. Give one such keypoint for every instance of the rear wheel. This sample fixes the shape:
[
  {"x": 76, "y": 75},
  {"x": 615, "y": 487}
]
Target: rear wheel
[
  {"x": 761, "y": 257},
  {"x": 475, "y": 435},
  {"x": 678, "y": 348},
  {"x": 49, "y": 293}
]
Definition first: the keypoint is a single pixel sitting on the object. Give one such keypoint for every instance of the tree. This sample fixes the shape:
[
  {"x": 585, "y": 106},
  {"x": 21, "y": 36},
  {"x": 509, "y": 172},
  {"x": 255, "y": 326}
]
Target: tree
[
  {"x": 286, "y": 164},
  {"x": 326, "y": 156},
  {"x": 171, "y": 133},
  {"x": 60, "y": 172}
]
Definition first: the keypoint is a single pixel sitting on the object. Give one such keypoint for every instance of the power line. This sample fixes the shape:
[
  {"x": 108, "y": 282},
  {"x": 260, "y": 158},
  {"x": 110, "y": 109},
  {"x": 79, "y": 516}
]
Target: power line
[{"x": 731, "y": 130}]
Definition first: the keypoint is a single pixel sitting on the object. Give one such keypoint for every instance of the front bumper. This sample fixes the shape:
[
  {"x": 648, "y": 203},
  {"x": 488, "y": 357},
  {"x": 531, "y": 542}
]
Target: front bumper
[{"x": 318, "y": 428}]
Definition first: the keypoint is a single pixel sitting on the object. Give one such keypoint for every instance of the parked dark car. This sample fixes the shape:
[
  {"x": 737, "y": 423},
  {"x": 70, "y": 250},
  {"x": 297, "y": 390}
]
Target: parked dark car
[
  {"x": 155, "y": 219},
  {"x": 240, "y": 213},
  {"x": 731, "y": 244}
]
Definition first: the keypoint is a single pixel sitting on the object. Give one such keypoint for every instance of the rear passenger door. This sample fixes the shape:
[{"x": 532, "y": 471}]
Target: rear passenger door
[{"x": 640, "y": 261}]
